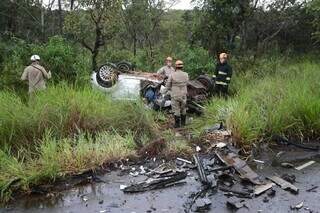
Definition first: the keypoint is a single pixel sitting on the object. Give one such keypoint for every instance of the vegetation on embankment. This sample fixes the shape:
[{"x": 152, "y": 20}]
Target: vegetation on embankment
[
  {"x": 284, "y": 100},
  {"x": 64, "y": 131},
  {"x": 66, "y": 111}
]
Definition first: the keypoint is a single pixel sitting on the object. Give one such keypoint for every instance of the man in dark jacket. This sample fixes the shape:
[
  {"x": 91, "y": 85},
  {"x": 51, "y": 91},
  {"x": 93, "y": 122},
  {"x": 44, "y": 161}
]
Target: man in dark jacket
[{"x": 222, "y": 75}]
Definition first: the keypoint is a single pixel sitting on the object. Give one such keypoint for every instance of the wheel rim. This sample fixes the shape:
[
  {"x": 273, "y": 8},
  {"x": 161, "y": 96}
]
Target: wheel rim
[{"x": 106, "y": 73}]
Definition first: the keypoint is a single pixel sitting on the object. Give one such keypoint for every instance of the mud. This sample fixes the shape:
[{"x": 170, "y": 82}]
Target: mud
[{"x": 106, "y": 196}]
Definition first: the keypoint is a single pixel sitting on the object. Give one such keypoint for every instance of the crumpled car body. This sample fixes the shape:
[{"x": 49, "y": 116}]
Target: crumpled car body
[{"x": 127, "y": 84}]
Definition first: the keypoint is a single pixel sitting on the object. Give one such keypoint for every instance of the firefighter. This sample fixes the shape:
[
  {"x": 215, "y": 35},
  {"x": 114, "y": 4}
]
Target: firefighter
[
  {"x": 35, "y": 74},
  {"x": 222, "y": 75},
  {"x": 177, "y": 85},
  {"x": 166, "y": 70}
]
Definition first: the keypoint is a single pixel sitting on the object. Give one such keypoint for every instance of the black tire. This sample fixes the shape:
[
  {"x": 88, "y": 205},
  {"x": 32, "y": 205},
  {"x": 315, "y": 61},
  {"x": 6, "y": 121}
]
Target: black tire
[
  {"x": 207, "y": 82},
  {"x": 124, "y": 66},
  {"x": 107, "y": 75}
]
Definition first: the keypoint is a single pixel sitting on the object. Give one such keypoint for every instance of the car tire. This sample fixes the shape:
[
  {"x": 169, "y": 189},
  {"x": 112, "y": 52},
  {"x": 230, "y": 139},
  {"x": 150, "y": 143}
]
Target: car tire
[
  {"x": 207, "y": 82},
  {"x": 107, "y": 75},
  {"x": 124, "y": 66}
]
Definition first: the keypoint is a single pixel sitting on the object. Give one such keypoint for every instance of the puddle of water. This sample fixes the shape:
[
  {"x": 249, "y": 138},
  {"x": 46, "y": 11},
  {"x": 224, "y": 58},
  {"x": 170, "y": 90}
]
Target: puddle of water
[{"x": 107, "y": 197}]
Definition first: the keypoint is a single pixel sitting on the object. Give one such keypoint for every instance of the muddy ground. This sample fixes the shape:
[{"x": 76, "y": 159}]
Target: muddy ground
[{"x": 105, "y": 195}]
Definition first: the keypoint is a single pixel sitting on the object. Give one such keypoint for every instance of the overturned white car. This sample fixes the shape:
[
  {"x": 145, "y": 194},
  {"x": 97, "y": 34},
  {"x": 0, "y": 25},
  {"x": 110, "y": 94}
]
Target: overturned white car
[{"x": 123, "y": 83}]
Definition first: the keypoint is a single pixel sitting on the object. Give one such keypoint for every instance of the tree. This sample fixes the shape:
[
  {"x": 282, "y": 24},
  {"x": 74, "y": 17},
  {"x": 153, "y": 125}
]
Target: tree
[
  {"x": 314, "y": 8},
  {"x": 93, "y": 23},
  {"x": 142, "y": 20},
  {"x": 219, "y": 22}
]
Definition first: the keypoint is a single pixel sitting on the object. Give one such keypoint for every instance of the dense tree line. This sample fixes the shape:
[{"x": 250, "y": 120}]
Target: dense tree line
[{"x": 150, "y": 29}]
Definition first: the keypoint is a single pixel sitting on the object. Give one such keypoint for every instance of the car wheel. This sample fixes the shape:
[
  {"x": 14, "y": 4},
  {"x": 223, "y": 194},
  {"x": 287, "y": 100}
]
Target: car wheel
[
  {"x": 207, "y": 82},
  {"x": 124, "y": 66},
  {"x": 107, "y": 75}
]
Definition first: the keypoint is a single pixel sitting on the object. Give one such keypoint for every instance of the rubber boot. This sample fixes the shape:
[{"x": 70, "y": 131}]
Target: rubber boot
[
  {"x": 183, "y": 120},
  {"x": 177, "y": 120}
]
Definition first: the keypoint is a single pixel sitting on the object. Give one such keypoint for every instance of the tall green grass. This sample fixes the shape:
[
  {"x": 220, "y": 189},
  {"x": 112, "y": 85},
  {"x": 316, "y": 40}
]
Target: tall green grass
[
  {"x": 285, "y": 102},
  {"x": 66, "y": 111},
  {"x": 55, "y": 158}
]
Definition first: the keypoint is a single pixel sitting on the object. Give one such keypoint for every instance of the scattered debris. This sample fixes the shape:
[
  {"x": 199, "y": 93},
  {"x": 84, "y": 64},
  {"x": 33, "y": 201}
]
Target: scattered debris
[
  {"x": 142, "y": 170},
  {"x": 285, "y": 141},
  {"x": 287, "y": 165},
  {"x": 298, "y": 206},
  {"x": 271, "y": 193},
  {"x": 134, "y": 174},
  {"x": 258, "y": 161},
  {"x": 313, "y": 189},
  {"x": 220, "y": 169},
  {"x": 220, "y": 145},
  {"x": 290, "y": 178},
  {"x": 201, "y": 171},
  {"x": 262, "y": 188},
  {"x": 213, "y": 128},
  {"x": 284, "y": 184},
  {"x": 305, "y": 165},
  {"x": 235, "y": 205},
  {"x": 198, "y": 149},
  {"x": 202, "y": 205},
  {"x": 157, "y": 183},
  {"x": 265, "y": 200},
  {"x": 84, "y": 198},
  {"x": 184, "y": 160},
  {"x": 241, "y": 194},
  {"x": 122, "y": 187},
  {"x": 232, "y": 159},
  {"x": 218, "y": 136}
]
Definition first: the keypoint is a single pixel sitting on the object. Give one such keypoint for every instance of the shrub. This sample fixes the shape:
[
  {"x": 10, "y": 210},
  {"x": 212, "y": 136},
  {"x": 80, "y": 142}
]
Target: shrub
[{"x": 66, "y": 61}]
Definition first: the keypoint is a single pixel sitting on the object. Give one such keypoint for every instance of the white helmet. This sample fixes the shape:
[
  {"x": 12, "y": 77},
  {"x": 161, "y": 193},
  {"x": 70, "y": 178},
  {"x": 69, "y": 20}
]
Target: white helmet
[{"x": 35, "y": 58}]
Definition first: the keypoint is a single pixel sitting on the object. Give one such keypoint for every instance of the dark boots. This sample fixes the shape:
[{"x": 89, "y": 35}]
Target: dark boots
[
  {"x": 177, "y": 120},
  {"x": 183, "y": 120},
  {"x": 180, "y": 121}
]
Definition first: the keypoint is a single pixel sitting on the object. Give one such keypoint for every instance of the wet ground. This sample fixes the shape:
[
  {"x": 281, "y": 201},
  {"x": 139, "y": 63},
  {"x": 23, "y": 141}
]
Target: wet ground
[{"x": 107, "y": 196}]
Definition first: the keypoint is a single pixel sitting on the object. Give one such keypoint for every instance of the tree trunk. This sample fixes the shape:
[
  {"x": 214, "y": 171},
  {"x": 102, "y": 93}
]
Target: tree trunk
[
  {"x": 135, "y": 45},
  {"x": 71, "y": 4},
  {"x": 42, "y": 23},
  {"x": 60, "y": 17},
  {"x": 98, "y": 43},
  {"x": 94, "y": 60}
]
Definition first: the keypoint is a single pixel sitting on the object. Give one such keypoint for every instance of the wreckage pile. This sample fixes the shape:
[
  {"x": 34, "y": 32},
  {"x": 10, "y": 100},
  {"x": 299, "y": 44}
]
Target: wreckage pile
[{"x": 220, "y": 170}]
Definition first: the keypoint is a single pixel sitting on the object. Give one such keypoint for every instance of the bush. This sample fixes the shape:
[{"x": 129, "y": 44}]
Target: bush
[
  {"x": 196, "y": 60},
  {"x": 66, "y": 61}
]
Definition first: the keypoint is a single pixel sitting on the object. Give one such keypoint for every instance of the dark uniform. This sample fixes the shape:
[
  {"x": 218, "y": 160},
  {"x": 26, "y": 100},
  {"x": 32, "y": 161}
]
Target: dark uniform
[{"x": 222, "y": 77}]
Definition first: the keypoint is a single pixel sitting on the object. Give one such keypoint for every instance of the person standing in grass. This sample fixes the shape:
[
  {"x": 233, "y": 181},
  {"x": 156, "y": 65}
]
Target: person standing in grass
[
  {"x": 222, "y": 75},
  {"x": 167, "y": 70},
  {"x": 177, "y": 85},
  {"x": 36, "y": 75}
]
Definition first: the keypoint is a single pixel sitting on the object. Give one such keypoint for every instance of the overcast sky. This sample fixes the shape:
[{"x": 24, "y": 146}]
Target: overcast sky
[{"x": 183, "y": 5}]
